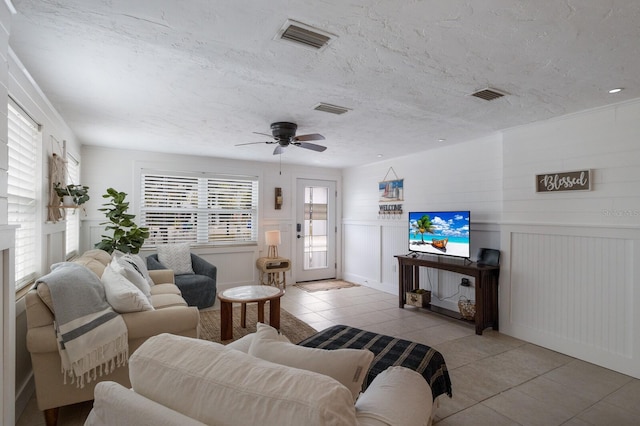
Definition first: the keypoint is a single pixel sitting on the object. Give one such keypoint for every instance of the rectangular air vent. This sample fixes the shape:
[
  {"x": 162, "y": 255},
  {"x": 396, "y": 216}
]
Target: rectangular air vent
[
  {"x": 489, "y": 94},
  {"x": 332, "y": 109},
  {"x": 304, "y": 35}
]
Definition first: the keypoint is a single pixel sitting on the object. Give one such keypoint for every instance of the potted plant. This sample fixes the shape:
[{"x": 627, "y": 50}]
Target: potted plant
[
  {"x": 127, "y": 237},
  {"x": 72, "y": 195}
]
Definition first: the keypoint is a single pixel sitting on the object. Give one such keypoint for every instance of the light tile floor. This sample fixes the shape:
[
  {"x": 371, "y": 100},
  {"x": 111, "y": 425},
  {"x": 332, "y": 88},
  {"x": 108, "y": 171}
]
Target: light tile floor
[{"x": 497, "y": 380}]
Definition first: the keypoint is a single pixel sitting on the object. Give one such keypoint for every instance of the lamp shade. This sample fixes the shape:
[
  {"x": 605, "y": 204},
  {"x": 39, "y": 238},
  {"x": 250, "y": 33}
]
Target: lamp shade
[{"x": 272, "y": 238}]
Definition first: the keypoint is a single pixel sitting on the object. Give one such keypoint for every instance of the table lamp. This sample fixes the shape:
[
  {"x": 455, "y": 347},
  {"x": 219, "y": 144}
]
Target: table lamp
[{"x": 273, "y": 241}]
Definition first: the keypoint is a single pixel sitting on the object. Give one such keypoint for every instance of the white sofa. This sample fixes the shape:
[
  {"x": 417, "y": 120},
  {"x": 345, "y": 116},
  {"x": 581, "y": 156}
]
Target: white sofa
[
  {"x": 182, "y": 381},
  {"x": 170, "y": 315}
]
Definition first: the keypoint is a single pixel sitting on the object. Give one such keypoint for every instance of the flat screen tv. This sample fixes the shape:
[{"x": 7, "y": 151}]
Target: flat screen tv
[{"x": 440, "y": 232}]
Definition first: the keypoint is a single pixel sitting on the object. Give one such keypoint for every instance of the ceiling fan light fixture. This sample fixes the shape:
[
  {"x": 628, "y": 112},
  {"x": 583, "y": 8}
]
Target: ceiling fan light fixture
[{"x": 304, "y": 35}]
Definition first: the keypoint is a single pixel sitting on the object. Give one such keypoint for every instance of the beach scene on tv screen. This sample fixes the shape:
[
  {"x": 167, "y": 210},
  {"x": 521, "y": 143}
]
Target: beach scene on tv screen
[{"x": 445, "y": 233}]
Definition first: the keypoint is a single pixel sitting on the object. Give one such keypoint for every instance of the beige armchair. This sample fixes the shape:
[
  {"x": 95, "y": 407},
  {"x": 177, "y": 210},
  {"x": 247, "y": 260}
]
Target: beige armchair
[{"x": 171, "y": 315}]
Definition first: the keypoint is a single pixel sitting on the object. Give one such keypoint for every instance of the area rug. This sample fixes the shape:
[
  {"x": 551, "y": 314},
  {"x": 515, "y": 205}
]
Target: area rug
[
  {"x": 325, "y": 285},
  {"x": 295, "y": 329}
]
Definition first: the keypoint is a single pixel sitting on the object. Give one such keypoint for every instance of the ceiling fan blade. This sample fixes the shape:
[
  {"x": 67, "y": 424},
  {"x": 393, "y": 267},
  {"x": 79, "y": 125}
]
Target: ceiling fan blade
[
  {"x": 254, "y": 143},
  {"x": 263, "y": 134},
  {"x": 279, "y": 150},
  {"x": 311, "y": 146},
  {"x": 309, "y": 137}
]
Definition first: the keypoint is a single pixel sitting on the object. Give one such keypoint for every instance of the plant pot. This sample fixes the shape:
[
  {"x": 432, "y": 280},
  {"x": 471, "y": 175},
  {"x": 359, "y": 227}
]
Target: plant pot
[{"x": 67, "y": 201}]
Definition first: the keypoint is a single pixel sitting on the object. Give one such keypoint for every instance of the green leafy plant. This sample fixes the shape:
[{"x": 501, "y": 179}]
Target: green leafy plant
[
  {"x": 127, "y": 236},
  {"x": 79, "y": 193}
]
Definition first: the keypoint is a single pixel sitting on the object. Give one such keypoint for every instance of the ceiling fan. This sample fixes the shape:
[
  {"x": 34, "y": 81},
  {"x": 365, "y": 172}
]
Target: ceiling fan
[{"x": 284, "y": 134}]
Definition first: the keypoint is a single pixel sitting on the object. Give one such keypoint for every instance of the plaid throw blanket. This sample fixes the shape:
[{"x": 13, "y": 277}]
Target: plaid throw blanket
[
  {"x": 92, "y": 338},
  {"x": 388, "y": 351}
]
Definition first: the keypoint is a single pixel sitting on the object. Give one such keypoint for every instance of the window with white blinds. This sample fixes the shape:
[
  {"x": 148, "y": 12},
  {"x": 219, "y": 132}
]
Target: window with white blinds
[
  {"x": 73, "y": 215},
  {"x": 199, "y": 208},
  {"x": 23, "y": 140}
]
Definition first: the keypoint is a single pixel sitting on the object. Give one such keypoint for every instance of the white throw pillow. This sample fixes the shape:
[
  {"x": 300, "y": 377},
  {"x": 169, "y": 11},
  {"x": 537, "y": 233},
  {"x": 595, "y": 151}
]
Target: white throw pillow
[
  {"x": 127, "y": 270},
  {"x": 217, "y": 386},
  {"x": 122, "y": 294},
  {"x": 176, "y": 257},
  {"x": 244, "y": 343},
  {"x": 137, "y": 262},
  {"x": 397, "y": 396},
  {"x": 348, "y": 366}
]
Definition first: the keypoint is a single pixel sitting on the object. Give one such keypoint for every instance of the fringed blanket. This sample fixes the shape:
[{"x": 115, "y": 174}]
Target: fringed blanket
[{"x": 92, "y": 338}]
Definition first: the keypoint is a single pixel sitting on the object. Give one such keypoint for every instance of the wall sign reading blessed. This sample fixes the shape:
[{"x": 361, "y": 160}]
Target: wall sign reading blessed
[{"x": 564, "y": 181}]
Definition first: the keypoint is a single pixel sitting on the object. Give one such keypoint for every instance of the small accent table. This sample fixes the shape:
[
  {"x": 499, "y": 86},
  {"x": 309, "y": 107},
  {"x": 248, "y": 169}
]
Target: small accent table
[
  {"x": 248, "y": 294},
  {"x": 273, "y": 266}
]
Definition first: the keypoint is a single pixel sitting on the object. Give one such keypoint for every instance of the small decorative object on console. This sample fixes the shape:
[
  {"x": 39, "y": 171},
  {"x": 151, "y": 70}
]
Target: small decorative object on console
[{"x": 420, "y": 298}]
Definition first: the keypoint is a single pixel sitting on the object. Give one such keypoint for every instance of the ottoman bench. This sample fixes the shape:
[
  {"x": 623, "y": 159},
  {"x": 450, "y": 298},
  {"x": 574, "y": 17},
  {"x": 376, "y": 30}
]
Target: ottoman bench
[{"x": 389, "y": 351}]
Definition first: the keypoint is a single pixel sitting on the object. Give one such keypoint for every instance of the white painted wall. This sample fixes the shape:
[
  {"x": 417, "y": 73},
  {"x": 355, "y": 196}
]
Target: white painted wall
[
  {"x": 569, "y": 278},
  {"x": 464, "y": 176},
  {"x": 16, "y": 82},
  {"x": 120, "y": 169},
  {"x": 569, "y": 275}
]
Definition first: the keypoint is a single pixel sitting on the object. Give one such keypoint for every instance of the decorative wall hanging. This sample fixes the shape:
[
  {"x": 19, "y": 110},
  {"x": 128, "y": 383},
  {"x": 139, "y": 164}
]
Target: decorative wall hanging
[
  {"x": 389, "y": 193},
  {"x": 564, "y": 181},
  {"x": 57, "y": 173},
  {"x": 278, "y": 199}
]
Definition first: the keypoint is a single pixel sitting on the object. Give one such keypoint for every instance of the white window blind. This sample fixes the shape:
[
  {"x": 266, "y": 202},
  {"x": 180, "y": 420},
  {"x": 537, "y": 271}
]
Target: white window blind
[
  {"x": 73, "y": 215},
  {"x": 23, "y": 138},
  {"x": 200, "y": 209}
]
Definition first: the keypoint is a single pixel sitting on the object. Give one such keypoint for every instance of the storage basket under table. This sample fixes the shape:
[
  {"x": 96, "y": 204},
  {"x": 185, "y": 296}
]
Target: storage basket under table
[{"x": 467, "y": 308}]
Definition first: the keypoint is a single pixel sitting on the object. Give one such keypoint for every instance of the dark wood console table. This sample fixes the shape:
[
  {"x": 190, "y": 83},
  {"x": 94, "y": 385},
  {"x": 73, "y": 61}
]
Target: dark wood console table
[{"x": 486, "y": 285}]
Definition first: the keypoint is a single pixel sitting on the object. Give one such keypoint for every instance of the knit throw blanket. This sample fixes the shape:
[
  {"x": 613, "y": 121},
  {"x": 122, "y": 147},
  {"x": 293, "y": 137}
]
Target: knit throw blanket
[{"x": 92, "y": 337}]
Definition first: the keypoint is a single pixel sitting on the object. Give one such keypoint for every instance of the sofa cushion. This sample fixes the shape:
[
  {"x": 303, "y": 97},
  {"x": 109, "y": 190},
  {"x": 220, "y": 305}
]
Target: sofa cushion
[
  {"x": 167, "y": 300},
  {"x": 99, "y": 255},
  {"x": 214, "y": 385},
  {"x": 94, "y": 265},
  {"x": 348, "y": 366},
  {"x": 136, "y": 262},
  {"x": 127, "y": 270},
  {"x": 176, "y": 257},
  {"x": 116, "y": 405},
  {"x": 397, "y": 396},
  {"x": 165, "y": 289},
  {"x": 244, "y": 343},
  {"x": 122, "y": 294}
]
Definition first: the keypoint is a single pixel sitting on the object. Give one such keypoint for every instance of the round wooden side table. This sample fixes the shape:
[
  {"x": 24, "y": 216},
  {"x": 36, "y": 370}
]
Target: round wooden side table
[{"x": 248, "y": 294}]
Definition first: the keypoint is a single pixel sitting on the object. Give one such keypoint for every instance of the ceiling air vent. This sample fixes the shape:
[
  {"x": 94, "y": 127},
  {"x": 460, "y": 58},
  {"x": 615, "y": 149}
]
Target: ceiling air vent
[
  {"x": 304, "y": 35},
  {"x": 332, "y": 109},
  {"x": 489, "y": 94}
]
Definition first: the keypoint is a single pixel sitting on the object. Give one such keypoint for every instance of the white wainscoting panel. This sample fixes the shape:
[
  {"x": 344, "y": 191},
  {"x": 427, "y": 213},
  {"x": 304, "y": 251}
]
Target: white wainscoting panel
[
  {"x": 572, "y": 289},
  {"x": 361, "y": 242},
  {"x": 394, "y": 242}
]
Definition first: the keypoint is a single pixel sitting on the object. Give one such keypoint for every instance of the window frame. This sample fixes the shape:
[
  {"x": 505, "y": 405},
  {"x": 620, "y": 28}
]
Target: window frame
[
  {"x": 34, "y": 247},
  {"x": 200, "y": 210}
]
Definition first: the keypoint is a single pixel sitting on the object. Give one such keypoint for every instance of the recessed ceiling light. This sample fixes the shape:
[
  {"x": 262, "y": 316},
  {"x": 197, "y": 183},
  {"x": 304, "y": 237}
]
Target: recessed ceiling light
[
  {"x": 616, "y": 90},
  {"x": 380, "y": 155},
  {"x": 441, "y": 140}
]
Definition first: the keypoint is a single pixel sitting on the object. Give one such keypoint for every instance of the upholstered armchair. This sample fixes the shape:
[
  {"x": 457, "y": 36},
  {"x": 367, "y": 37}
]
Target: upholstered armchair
[{"x": 198, "y": 288}]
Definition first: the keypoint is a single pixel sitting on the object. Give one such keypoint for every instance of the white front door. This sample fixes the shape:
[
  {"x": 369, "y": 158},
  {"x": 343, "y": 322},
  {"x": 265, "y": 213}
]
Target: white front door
[{"x": 315, "y": 230}]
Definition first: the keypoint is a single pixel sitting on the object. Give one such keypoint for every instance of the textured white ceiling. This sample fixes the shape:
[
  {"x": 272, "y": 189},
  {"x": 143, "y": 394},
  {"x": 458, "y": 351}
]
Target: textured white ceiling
[{"x": 199, "y": 76}]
